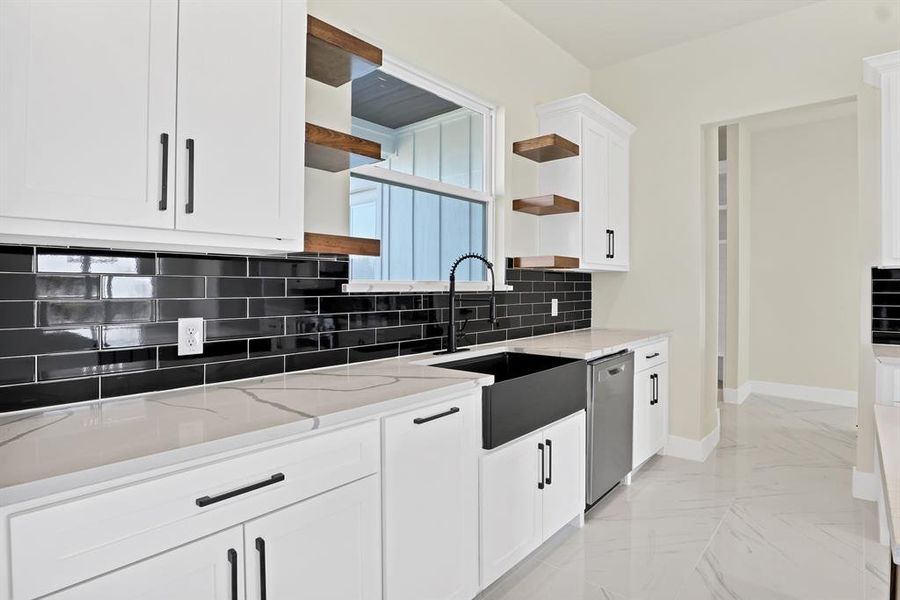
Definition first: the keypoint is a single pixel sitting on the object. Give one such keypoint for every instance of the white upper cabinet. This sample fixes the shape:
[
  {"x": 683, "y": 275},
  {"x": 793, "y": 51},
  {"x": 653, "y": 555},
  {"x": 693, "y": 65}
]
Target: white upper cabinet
[
  {"x": 98, "y": 99},
  {"x": 883, "y": 71},
  {"x": 241, "y": 95},
  {"x": 86, "y": 91},
  {"x": 598, "y": 234}
]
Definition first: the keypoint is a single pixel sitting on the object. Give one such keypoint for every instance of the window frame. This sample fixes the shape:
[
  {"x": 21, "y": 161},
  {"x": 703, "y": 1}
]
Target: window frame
[{"x": 488, "y": 112}]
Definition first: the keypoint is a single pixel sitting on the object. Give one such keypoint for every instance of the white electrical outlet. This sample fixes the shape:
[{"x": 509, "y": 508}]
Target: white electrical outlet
[
  {"x": 190, "y": 336},
  {"x": 554, "y": 307}
]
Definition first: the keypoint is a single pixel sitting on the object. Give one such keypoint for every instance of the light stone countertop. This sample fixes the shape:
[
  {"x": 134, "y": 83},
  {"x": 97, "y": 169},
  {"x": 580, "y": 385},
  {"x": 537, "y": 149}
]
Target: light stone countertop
[
  {"x": 887, "y": 353},
  {"x": 61, "y": 448},
  {"x": 887, "y": 421}
]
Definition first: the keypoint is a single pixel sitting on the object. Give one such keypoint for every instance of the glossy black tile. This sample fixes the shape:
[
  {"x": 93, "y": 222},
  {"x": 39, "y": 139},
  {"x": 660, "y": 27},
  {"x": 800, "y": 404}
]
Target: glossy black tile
[
  {"x": 486, "y": 337},
  {"x": 16, "y": 259},
  {"x": 63, "y": 287},
  {"x": 543, "y": 329},
  {"x": 334, "y": 268},
  {"x": 241, "y": 287},
  {"x": 363, "y": 353},
  {"x": 287, "y": 344},
  {"x": 53, "y": 314},
  {"x": 343, "y": 339},
  {"x": 244, "y": 328},
  {"x": 315, "y": 287},
  {"x": 347, "y": 304},
  {"x": 886, "y": 312},
  {"x": 266, "y": 267},
  {"x": 151, "y": 381},
  {"x": 554, "y": 276},
  {"x": 16, "y": 370},
  {"x": 583, "y": 324},
  {"x": 513, "y": 275},
  {"x": 17, "y": 286},
  {"x": 419, "y": 346},
  {"x": 16, "y": 314},
  {"x": 564, "y": 286},
  {"x": 271, "y": 307},
  {"x": 315, "y": 324},
  {"x": 117, "y": 286},
  {"x": 436, "y": 300},
  {"x": 410, "y": 317},
  {"x": 523, "y": 286},
  {"x": 886, "y": 337},
  {"x": 244, "y": 369},
  {"x": 72, "y": 260},
  {"x": 315, "y": 360},
  {"x": 33, "y": 395},
  {"x": 530, "y": 275},
  {"x": 532, "y": 297},
  {"x": 84, "y": 364},
  {"x": 885, "y": 299},
  {"x": 175, "y": 264},
  {"x": 149, "y": 334},
  {"x": 369, "y": 320},
  {"x": 885, "y": 273},
  {"x": 22, "y": 342},
  {"x": 543, "y": 286},
  {"x": 528, "y": 320},
  {"x": 560, "y": 327},
  {"x": 518, "y": 332},
  {"x": 520, "y": 309},
  {"x": 885, "y": 324},
  {"x": 398, "y": 302},
  {"x": 232, "y": 308},
  {"x": 583, "y": 286},
  {"x": 212, "y": 352},
  {"x": 397, "y": 334}
]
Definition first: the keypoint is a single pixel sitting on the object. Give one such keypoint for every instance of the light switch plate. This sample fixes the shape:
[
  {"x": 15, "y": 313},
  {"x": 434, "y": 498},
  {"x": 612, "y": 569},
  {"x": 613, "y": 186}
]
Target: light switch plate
[
  {"x": 554, "y": 307},
  {"x": 190, "y": 336}
]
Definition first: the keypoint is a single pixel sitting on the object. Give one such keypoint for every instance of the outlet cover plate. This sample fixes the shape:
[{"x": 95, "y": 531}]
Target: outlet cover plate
[
  {"x": 554, "y": 307},
  {"x": 190, "y": 336}
]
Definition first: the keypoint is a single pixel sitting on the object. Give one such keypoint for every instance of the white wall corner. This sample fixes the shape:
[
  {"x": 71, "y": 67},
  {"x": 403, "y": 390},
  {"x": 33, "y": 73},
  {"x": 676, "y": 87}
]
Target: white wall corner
[
  {"x": 695, "y": 450},
  {"x": 836, "y": 397},
  {"x": 865, "y": 485},
  {"x": 736, "y": 396}
]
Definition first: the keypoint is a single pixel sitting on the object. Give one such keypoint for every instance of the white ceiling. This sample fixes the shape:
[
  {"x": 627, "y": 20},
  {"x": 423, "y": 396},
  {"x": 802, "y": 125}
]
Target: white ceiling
[{"x": 603, "y": 32}]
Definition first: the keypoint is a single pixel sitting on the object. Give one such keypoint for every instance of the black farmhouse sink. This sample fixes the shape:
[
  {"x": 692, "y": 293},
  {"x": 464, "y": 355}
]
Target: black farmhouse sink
[{"x": 529, "y": 392}]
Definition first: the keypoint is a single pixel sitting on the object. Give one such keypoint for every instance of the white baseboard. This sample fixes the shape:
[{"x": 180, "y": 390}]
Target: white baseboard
[
  {"x": 736, "y": 396},
  {"x": 833, "y": 396},
  {"x": 865, "y": 486},
  {"x": 696, "y": 450}
]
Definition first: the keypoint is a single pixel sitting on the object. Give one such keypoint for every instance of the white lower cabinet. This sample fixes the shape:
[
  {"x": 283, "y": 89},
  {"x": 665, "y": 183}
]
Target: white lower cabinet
[
  {"x": 327, "y": 547},
  {"x": 529, "y": 490},
  {"x": 887, "y": 383},
  {"x": 208, "y": 569},
  {"x": 651, "y": 402},
  {"x": 430, "y": 481}
]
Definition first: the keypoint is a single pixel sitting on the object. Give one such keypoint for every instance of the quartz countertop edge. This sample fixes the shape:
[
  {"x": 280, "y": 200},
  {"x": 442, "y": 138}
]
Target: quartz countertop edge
[
  {"x": 887, "y": 353},
  {"x": 887, "y": 422},
  {"x": 61, "y": 449}
]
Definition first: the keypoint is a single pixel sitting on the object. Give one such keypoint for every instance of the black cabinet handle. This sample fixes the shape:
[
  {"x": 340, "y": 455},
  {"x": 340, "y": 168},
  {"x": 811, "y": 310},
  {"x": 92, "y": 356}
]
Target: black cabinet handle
[
  {"x": 654, "y": 355},
  {"x": 550, "y": 456},
  {"x": 541, "y": 481},
  {"x": 232, "y": 560},
  {"x": 613, "y": 244},
  {"x": 609, "y": 243},
  {"x": 207, "y": 500},
  {"x": 189, "y": 207},
  {"x": 261, "y": 548},
  {"x": 164, "y": 184},
  {"x": 420, "y": 420},
  {"x": 654, "y": 380}
]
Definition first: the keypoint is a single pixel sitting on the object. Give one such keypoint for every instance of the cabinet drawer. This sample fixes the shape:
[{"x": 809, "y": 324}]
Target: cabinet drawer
[
  {"x": 651, "y": 355},
  {"x": 58, "y": 545}
]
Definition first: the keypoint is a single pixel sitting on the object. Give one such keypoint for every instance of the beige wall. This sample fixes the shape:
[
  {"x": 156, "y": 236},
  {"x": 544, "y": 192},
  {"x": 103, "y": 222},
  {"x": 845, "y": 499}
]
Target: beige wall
[
  {"x": 804, "y": 261},
  {"x": 801, "y": 57},
  {"x": 482, "y": 47}
]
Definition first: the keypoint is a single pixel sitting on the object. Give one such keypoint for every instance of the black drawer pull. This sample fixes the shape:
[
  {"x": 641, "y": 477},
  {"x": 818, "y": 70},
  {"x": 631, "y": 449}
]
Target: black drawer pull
[
  {"x": 550, "y": 456},
  {"x": 164, "y": 182},
  {"x": 207, "y": 500},
  {"x": 189, "y": 206},
  {"x": 541, "y": 480},
  {"x": 261, "y": 548},
  {"x": 232, "y": 560},
  {"x": 654, "y": 355},
  {"x": 420, "y": 420}
]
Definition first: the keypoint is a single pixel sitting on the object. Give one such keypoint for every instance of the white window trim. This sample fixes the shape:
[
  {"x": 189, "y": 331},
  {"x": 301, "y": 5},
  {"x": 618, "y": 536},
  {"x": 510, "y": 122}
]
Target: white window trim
[{"x": 394, "y": 67}]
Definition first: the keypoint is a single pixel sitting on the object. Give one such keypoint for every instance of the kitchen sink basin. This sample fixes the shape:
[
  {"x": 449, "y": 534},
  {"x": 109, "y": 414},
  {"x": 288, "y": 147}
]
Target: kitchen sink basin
[{"x": 529, "y": 392}]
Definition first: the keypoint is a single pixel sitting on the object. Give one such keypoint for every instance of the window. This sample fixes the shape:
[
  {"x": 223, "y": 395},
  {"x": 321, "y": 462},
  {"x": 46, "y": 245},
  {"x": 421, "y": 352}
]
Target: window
[{"x": 429, "y": 200}]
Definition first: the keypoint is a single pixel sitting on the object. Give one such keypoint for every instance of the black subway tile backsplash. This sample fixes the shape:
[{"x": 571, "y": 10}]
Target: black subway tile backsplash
[
  {"x": 81, "y": 324},
  {"x": 886, "y": 306}
]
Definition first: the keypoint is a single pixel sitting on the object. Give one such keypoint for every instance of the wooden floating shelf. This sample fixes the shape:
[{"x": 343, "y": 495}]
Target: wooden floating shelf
[
  {"x": 546, "y": 148},
  {"x": 545, "y": 262},
  {"x": 551, "y": 204},
  {"x": 340, "y": 244},
  {"x": 336, "y": 57},
  {"x": 331, "y": 150}
]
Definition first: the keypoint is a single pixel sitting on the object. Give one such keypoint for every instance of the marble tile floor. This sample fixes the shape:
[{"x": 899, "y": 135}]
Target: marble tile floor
[{"x": 768, "y": 516}]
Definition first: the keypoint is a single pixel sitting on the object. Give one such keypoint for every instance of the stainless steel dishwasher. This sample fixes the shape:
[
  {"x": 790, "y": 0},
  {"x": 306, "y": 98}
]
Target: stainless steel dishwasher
[{"x": 610, "y": 420}]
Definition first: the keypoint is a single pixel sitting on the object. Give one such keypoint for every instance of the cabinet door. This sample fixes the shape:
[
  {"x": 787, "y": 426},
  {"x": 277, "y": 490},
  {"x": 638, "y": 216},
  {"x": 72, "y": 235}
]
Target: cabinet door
[
  {"x": 209, "y": 569},
  {"x": 618, "y": 200},
  {"x": 327, "y": 547},
  {"x": 887, "y": 384},
  {"x": 430, "y": 481},
  {"x": 659, "y": 410},
  {"x": 510, "y": 505},
  {"x": 241, "y": 95},
  {"x": 644, "y": 384},
  {"x": 87, "y": 90},
  {"x": 596, "y": 244},
  {"x": 563, "y": 497}
]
